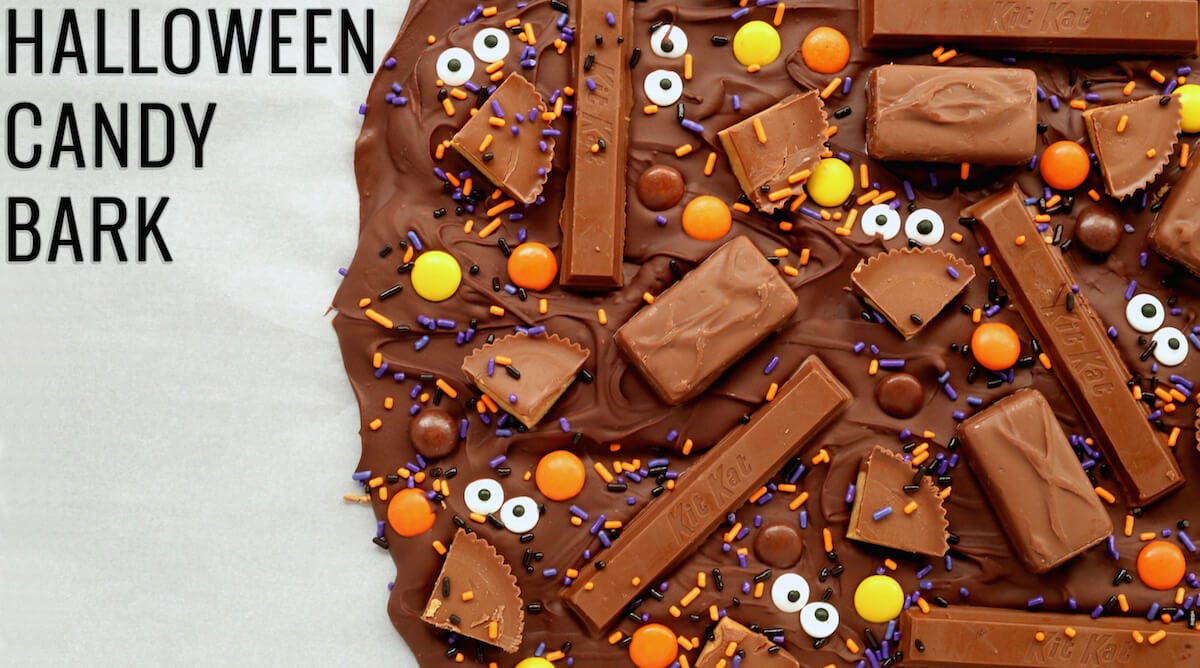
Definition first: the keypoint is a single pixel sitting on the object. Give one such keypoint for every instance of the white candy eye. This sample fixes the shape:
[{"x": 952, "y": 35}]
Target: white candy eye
[
  {"x": 455, "y": 66},
  {"x": 520, "y": 514},
  {"x": 663, "y": 87},
  {"x": 881, "y": 220},
  {"x": 1171, "y": 348},
  {"x": 484, "y": 496},
  {"x": 819, "y": 619},
  {"x": 669, "y": 42},
  {"x": 925, "y": 227},
  {"x": 789, "y": 593},
  {"x": 490, "y": 45},
  {"x": 1145, "y": 313}
]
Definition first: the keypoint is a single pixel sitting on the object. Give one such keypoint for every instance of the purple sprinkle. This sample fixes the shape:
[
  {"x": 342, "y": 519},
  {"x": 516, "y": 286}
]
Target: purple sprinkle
[
  {"x": 952, "y": 271},
  {"x": 578, "y": 512},
  {"x": 1097, "y": 611},
  {"x": 537, "y": 330},
  {"x": 595, "y": 529},
  {"x": 414, "y": 409},
  {"x": 949, "y": 563},
  {"x": 1111, "y": 545},
  {"x": 1170, "y": 87},
  {"x": 462, "y": 428},
  {"x": 497, "y": 461},
  {"x": 631, "y": 500},
  {"x": 512, "y": 398},
  {"x": 504, "y": 433},
  {"x": 1112, "y": 332},
  {"x": 1035, "y": 601},
  {"x": 362, "y": 109},
  {"x": 908, "y": 191},
  {"x": 421, "y": 342},
  {"x": 1092, "y": 97},
  {"x": 858, "y": 347},
  {"x": 1129, "y": 290},
  {"x": 1153, "y": 612},
  {"x": 389, "y": 63},
  {"x": 850, "y": 493},
  {"x": 737, "y": 102},
  {"x": 564, "y": 425},
  {"x": 891, "y": 364},
  {"x": 661, "y": 220},
  {"x": 737, "y": 16},
  {"x": 846, "y": 83},
  {"x": 1054, "y": 103},
  {"x": 742, "y": 560},
  {"x": 591, "y": 84},
  {"x": 610, "y": 19},
  {"x": 803, "y": 519},
  {"x": 1072, "y": 603},
  {"x": 416, "y": 241},
  {"x": 958, "y": 416},
  {"x": 962, "y": 591},
  {"x": 774, "y": 362},
  {"x": 884, "y": 512},
  {"x": 689, "y": 124},
  {"x": 1187, "y": 541},
  {"x": 361, "y": 476},
  {"x": 950, "y": 392}
]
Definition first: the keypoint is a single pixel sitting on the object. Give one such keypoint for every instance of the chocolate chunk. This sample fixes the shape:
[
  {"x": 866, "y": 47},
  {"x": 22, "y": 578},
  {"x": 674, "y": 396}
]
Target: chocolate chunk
[
  {"x": 1098, "y": 229},
  {"x": 660, "y": 187},
  {"x": 1036, "y": 486},
  {"x": 981, "y": 115},
  {"x": 778, "y": 545},
  {"x": 668, "y": 530},
  {"x": 881, "y": 515},
  {"x": 1148, "y": 27},
  {"x": 900, "y": 395},
  {"x": 906, "y": 282},
  {"x": 434, "y": 433},
  {"x": 484, "y": 602},
  {"x": 755, "y": 649},
  {"x": 549, "y": 364},
  {"x": 1176, "y": 232},
  {"x": 706, "y": 322},
  {"x": 1133, "y": 141},
  {"x": 770, "y": 150},
  {"x": 1083, "y": 358}
]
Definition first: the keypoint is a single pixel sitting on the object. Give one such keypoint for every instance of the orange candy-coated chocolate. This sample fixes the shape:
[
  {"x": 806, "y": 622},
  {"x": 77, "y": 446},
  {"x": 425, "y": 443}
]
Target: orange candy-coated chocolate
[
  {"x": 409, "y": 514},
  {"x": 560, "y": 475},
  {"x": 996, "y": 346},
  {"x": 532, "y": 266},
  {"x": 1161, "y": 565},
  {"x": 707, "y": 218},
  {"x": 825, "y": 50},
  {"x": 1064, "y": 165},
  {"x": 653, "y": 646}
]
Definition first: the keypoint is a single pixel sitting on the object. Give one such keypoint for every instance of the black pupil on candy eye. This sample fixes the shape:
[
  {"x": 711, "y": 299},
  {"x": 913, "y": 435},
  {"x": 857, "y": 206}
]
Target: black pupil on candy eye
[
  {"x": 821, "y": 614},
  {"x": 491, "y": 41},
  {"x": 665, "y": 84},
  {"x": 519, "y": 511},
  {"x": 1148, "y": 310},
  {"x": 667, "y": 45},
  {"x": 925, "y": 227},
  {"x": 1173, "y": 344},
  {"x": 881, "y": 220},
  {"x": 454, "y": 65},
  {"x": 484, "y": 495},
  {"x": 793, "y": 596}
]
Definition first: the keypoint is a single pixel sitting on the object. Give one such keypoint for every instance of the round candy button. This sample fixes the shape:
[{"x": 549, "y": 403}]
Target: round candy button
[
  {"x": 1064, "y": 165},
  {"x": 560, "y": 475},
  {"x": 707, "y": 218},
  {"x": 532, "y": 266},
  {"x": 1160, "y": 565},
  {"x": 878, "y": 599},
  {"x": 534, "y": 662},
  {"x": 756, "y": 43},
  {"x": 831, "y": 182},
  {"x": 825, "y": 50},
  {"x": 433, "y": 432},
  {"x": 653, "y": 646},
  {"x": 409, "y": 514},
  {"x": 1189, "y": 97},
  {"x": 436, "y": 276},
  {"x": 996, "y": 346},
  {"x": 900, "y": 395},
  {"x": 778, "y": 545},
  {"x": 1098, "y": 230},
  {"x": 660, "y": 187}
]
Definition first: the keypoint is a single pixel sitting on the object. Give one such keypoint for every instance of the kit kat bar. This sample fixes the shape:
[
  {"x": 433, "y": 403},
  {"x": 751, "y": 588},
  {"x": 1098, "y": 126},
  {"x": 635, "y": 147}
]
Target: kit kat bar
[
  {"x": 1085, "y": 361},
  {"x": 980, "y": 115},
  {"x": 964, "y": 636},
  {"x": 1175, "y": 234},
  {"x": 593, "y": 213},
  {"x": 672, "y": 526},
  {"x": 1144, "y": 27}
]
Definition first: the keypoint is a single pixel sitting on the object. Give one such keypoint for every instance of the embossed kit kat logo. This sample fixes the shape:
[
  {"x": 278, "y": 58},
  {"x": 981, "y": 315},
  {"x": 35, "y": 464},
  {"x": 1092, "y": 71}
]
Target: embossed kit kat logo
[
  {"x": 1093, "y": 649},
  {"x": 1046, "y": 17},
  {"x": 695, "y": 505}
]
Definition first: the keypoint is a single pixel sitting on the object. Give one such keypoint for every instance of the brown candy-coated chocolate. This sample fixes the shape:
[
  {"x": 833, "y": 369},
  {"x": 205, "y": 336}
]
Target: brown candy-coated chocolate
[
  {"x": 434, "y": 433},
  {"x": 1098, "y": 229},
  {"x": 670, "y": 528},
  {"x": 778, "y": 545},
  {"x": 593, "y": 212},
  {"x": 1023, "y": 461},
  {"x": 900, "y": 395},
  {"x": 660, "y": 187},
  {"x": 981, "y": 115},
  {"x": 1083, "y": 358},
  {"x": 1176, "y": 231},
  {"x": 707, "y": 321},
  {"x": 963, "y": 636},
  {"x": 1084, "y": 26}
]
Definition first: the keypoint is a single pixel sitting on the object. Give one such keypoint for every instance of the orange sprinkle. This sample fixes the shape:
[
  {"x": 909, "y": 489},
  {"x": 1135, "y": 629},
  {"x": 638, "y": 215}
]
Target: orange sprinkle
[
  {"x": 1106, "y": 495},
  {"x": 805, "y": 255},
  {"x": 489, "y": 228},
  {"x": 458, "y": 93},
  {"x": 947, "y": 56},
  {"x": 920, "y": 459},
  {"x": 497, "y": 311},
  {"x": 650, "y": 109},
  {"x": 741, "y": 207},
  {"x": 1129, "y": 525},
  {"x": 1078, "y": 104},
  {"x": 1138, "y": 637},
  {"x": 864, "y": 176},
  {"x": 1095, "y": 196},
  {"x": 830, "y": 131},
  {"x": 529, "y": 34},
  {"x": 822, "y": 457},
  {"x": 1156, "y": 637},
  {"x": 710, "y": 163},
  {"x": 956, "y": 237},
  {"x": 733, "y": 531},
  {"x": 468, "y": 595},
  {"x": 603, "y": 471},
  {"x": 448, "y": 106},
  {"x": 910, "y": 507},
  {"x": 1128, "y": 89},
  {"x": 759, "y": 131},
  {"x": 487, "y": 142},
  {"x": 884, "y": 196},
  {"x": 758, "y": 590},
  {"x": 687, "y": 67},
  {"x": 797, "y": 177},
  {"x": 1053, "y": 201},
  {"x": 1185, "y": 152},
  {"x": 1045, "y": 360},
  {"x": 781, "y": 194},
  {"x": 1121, "y": 125},
  {"x": 375, "y": 424},
  {"x": 378, "y": 318},
  {"x": 852, "y": 646},
  {"x": 550, "y": 656},
  {"x": 1157, "y": 76},
  {"x": 687, "y": 447},
  {"x": 439, "y": 547},
  {"x": 1151, "y": 153},
  {"x": 543, "y": 306},
  {"x": 753, "y": 67},
  {"x": 964, "y": 172},
  {"x": 1040, "y": 636},
  {"x": 827, "y": 538},
  {"x": 866, "y": 197},
  {"x": 683, "y": 150},
  {"x": 873, "y": 368},
  {"x": 1173, "y": 439},
  {"x": 501, "y": 208},
  {"x": 771, "y": 391},
  {"x": 1070, "y": 632},
  {"x": 1146, "y": 536},
  {"x": 923, "y": 605},
  {"x": 939, "y": 51},
  {"x": 602, "y": 316},
  {"x": 798, "y": 501},
  {"x": 689, "y": 597},
  {"x": 431, "y": 39},
  {"x": 830, "y": 88}
]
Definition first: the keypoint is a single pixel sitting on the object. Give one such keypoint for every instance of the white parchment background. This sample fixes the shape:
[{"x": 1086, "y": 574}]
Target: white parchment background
[{"x": 175, "y": 438}]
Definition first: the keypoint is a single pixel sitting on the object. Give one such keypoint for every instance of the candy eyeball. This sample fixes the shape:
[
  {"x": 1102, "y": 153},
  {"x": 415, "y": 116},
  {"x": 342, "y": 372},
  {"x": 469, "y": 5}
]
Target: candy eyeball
[
  {"x": 1171, "y": 347},
  {"x": 455, "y": 66},
  {"x": 881, "y": 220},
  {"x": 663, "y": 87},
  {"x": 490, "y": 45},
  {"x": 1145, "y": 313},
  {"x": 484, "y": 496},
  {"x": 925, "y": 227},
  {"x": 669, "y": 41},
  {"x": 519, "y": 514},
  {"x": 819, "y": 620},
  {"x": 789, "y": 593}
]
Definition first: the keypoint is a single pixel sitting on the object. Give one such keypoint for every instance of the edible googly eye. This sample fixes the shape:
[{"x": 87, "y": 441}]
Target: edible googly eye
[
  {"x": 455, "y": 66},
  {"x": 1171, "y": 348},
  {"x": 789, "y": 592},
  {"x": 819, "y": 619},
  {"x": 925, "y": 227},
  {"x": 1145, "y": 313},
  {"x": 520, "y": 514},
  {"x": 881, "y": 220},
  {"x": 484, "y": 496},
  {"x": 669, "y": 42},
  {"x": 663, "y": 87},
  {"x": 490, "y": 45}
]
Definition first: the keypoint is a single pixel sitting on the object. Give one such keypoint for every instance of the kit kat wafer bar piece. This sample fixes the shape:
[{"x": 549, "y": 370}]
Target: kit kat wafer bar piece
[
  {"x": 963, "y": 636},
  {"x": 670, "y": 528},
  {"x": 593, "y": 213},
  {"x": 1145, "y": 27},
  {"x": 1081, "y": 355}
]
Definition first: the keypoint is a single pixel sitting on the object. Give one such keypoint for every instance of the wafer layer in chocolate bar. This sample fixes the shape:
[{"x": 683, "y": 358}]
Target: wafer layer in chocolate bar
[
  {"x": 672, "y": 526},
  {"x": 1083, "y": 358}
]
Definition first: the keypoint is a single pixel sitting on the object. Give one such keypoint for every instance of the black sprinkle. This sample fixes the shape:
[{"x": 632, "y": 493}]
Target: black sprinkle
[
  {"x": 439, "y": 213},
  {"x": 827, "y": 595},
  {"x": 941, "y": 602},
  {"x": 1070, "y": 301},
  {"x": 916, "y": 319},
  {"x": 1164, "y": 100},
  {"x": 504, "y": 247},
  {"x": 495, "y": 284},
  {"x": 720, "y": 40},
  {"x": 445, "y": 586},
  {"x": 392, "y": 291},
  {"x": 489, "y": 156},
  {"x": 919, "y": 645},
  {"x": 842, "y": 112},
  {"x": 599, "y": 39},
  {"x": 718, "y": 581},
  {"x": 601, "y": 564},
  {"x": 635, "y": 57},
  {"x": 952, "y": 539},
  {"x": 504, "y": 471},
  {"x": 617, "y": 487},
  {"x": 1148, "y": 351},
  {"x": 455, "y": 619},
  {"x": 559, "y": 5},
  {"x": 380, "y": 541},
  {"x": 526, "y": 538},
  {"x": 512, "y": 371},
  {"x": 837, "y": 570},
  {"x": 585, "y": 376},
  {"x": 588, "y": 61},
  {"x": 404, "y": 268},
  {"x": 763, "y": 575}
]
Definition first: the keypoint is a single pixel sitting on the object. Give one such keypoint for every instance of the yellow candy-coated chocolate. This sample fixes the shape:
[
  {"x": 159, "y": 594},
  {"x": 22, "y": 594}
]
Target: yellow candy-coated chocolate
[
  {"x": 1189, "y": 97},
  {"x": 831, "y": 182},
  {"x": 878, "y": 599},
  {"x": 436, "y": 276},
  {"x": 756, "y": 43},
  {"x": 534, "y": 662}
]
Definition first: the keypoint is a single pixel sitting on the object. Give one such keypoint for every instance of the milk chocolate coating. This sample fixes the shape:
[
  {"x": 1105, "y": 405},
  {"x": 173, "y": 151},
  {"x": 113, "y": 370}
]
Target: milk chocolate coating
[
  {"x": 980, "y": 115},
  {"x": 660, "y": 187},
  {"x": 1176, "y": 231},
  {"x": 754, "y": 647},
  {"x": 900, "y": 395},
  {"x": 778, "y": 545},
  {"x": 434, "y": 433},
  {"x": 1024, "y": 463},
  {"x": 1097, "y": 229},
  {"x": 1133, "y": 152}
]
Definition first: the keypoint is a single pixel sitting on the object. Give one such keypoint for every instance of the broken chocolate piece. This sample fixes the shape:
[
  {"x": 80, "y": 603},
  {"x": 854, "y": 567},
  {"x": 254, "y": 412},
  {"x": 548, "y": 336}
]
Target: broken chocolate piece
[
  {"x": 1083, "y": 358},
  {"x": 880, "y": 516},
  {"x": 1133, "y": 141},
  {"x": 1176, "y": 232},
  {"x": 980, "y": 115},
  {"x": 536, "y": 370},
  {"x": 706, "y": 322},
  {"x": 770, "y": 150},
  {"x": 668, "y": 530},
  {"x": 730, "y": 638},
  {"x": 1038, "y": 490},
  {"x": 476, "y": 595},
  {"x": 910, "y": 286},
  {"x": 518, "y": 165}
]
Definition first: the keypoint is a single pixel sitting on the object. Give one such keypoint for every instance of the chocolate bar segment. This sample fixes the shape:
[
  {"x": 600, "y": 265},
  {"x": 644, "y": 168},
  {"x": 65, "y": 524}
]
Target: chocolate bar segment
[
  {"x": 593, "y": 213},
  {"x": 981, "y": 115},
  {"x": 1176, "y": 232},
  {"x": 707, "y": 321},
  {"x": 881, "y": 488},
  {"x": 732, "y": 639},
  {"x": 1146, "y": 27},
  {"x": 1036, "y": 486},
  {"x": 1133, "y": 141},
  {"x": 1083, "y": 358},
  {"x": 964, "y": 636},
  {"x": 525, "y": 375},
  {"x": 670, "y": 528},
  {"x": 911, "y": 286}
]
